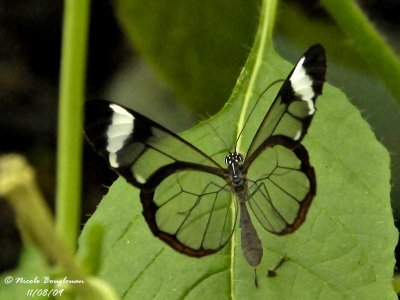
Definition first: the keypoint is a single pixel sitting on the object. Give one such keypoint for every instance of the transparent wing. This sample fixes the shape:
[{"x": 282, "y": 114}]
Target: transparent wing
[
  {"x": 281, "y": 185},
  {"x": 185, "y": 198},
  {"x": 293, "y": 108},
  {"x": 135, "y": 146},
  {"x": 193, "y": 211}
]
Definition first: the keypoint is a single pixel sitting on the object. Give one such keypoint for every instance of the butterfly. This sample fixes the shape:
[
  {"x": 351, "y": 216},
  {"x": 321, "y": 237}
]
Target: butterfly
[{"x": 191, "y": 201}]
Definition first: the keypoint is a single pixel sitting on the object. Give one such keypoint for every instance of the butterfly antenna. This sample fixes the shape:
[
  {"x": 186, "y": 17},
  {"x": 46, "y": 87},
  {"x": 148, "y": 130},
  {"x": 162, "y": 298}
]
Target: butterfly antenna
[
  {"x": 218, "y": 135},
  {"x": 253, "y": 108}
]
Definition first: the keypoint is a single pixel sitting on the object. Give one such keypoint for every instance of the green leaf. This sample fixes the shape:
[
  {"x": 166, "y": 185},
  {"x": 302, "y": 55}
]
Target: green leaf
[
  {"x": 197, "y": 48},
  {"x": 343, "y": 250}
]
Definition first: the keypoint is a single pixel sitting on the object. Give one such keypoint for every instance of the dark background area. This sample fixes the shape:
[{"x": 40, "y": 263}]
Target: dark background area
[
  {"x": 29, "y": 76},
  {"x": 29, "y": 79}
]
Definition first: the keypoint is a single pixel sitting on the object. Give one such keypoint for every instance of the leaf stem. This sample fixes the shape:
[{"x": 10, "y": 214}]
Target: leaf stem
[
  {"x": 370, "y": 44},
  {"x": 69, "y": 155},
  {"x": 259, "y": 50},
  {"x": 262, "y": 42}
]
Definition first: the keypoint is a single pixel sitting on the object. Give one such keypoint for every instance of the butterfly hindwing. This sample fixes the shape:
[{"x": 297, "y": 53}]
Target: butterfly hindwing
[
  {"x": 281, "y": 185},
  {"x": 192, "y": 211}
]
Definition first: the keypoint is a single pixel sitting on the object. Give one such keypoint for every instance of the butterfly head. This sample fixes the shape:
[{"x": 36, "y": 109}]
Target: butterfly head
[
  {"x": 233, "y": 158},
  {"x": 234, "y": 162}
]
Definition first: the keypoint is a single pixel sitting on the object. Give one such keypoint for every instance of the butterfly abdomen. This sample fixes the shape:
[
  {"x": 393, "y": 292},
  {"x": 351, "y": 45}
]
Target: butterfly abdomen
[{"x": 251, "y": 244}]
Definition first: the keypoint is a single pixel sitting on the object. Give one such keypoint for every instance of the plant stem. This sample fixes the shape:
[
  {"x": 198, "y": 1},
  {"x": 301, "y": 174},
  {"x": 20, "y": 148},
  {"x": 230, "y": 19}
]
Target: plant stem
[
  {"x": 396, "y": 284},
  {"x": 70, "y": 116},
  {"x": 262, "y": 43},
  {"x": 370, "y": 44},
  {"x": 35, "y": 221}
]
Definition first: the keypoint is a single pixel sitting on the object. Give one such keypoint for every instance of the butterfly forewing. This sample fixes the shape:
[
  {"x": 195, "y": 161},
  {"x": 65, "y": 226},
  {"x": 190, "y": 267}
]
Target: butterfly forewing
[
  {"x": 192, "y": 211},
  {"x": 281, "y": 185},
  {"x": 294, "y": 106},
  {"x": 135, "y": 146}
]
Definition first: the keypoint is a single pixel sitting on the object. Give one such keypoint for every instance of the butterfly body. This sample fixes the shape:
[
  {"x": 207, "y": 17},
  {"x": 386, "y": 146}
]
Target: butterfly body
[
  {"x": 251, "y": 243},
  {"x": 189, "y": 200}
]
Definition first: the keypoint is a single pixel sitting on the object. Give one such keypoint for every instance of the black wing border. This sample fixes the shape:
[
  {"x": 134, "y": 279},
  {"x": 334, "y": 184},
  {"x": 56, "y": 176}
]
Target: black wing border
[{"x": 150, "y": 208}]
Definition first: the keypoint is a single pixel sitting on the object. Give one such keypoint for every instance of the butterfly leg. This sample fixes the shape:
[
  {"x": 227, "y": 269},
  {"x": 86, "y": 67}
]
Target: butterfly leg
[{"x": 255, "y": 278}]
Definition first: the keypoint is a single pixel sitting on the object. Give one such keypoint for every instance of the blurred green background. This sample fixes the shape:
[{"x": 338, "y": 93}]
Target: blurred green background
[{"x": 167, "y": 59}]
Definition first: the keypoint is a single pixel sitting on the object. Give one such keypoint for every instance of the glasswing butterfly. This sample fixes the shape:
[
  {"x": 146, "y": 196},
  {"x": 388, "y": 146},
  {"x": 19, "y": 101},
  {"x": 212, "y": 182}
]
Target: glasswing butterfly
[{"x": 190, "y": 201}]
